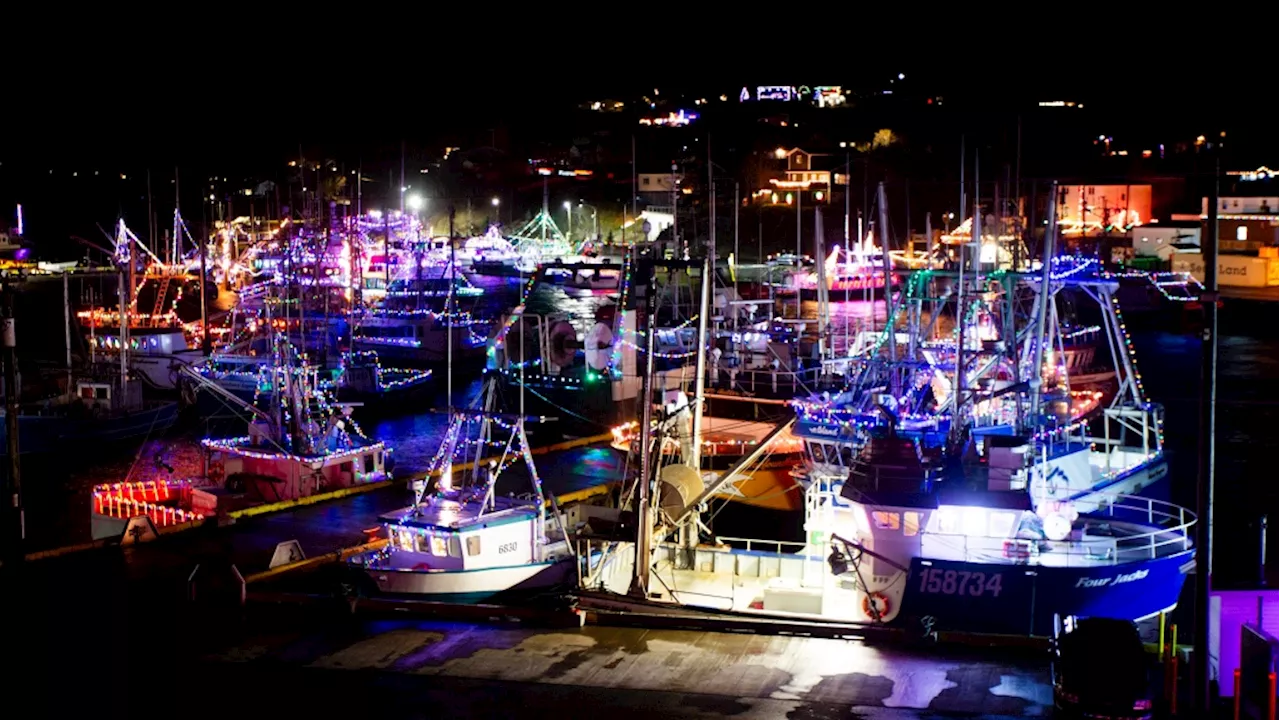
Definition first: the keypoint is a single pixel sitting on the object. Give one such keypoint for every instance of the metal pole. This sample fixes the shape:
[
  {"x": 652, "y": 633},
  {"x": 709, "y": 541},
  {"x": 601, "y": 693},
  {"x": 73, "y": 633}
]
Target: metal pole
[
  {"x": 448, "y": 315},
  {"x": 883, "y": 231},
  {"x": 9, "y": 341},
  {"x": 799, "y": 267},
  {"x": 1201, "y": 694},
  {"x": 1042, "y": 309},
  {"x": 848, "y": 170},
  {"x": 704, "y": 309},
  {"x": 737, "y": 259},
  {"x": 644, "y": 523},
  {"x": 66, "y": 321}
]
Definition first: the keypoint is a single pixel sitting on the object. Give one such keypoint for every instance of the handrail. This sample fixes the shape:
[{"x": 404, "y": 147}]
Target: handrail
[{"x": 1162, "y": 541}]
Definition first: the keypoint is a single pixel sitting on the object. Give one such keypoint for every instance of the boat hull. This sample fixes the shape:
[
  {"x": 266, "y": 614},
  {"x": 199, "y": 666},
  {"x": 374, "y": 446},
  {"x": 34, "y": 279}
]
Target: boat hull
[
  {"x": 38, "y": 434},
  {"x": 471, "y": 586},
  {"x": 1023, "y": 599}
]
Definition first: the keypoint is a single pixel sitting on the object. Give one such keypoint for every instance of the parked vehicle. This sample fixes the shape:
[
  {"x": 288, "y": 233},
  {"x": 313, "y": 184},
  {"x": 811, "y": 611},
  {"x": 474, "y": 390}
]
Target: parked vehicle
[{"x": 1100, "y": 669}]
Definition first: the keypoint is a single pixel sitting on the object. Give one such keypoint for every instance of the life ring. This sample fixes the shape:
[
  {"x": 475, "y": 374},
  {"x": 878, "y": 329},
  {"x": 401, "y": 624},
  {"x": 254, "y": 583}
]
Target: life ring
[
  {"x": 216, "y": 471},
  {"x": 879, "y": 610}
]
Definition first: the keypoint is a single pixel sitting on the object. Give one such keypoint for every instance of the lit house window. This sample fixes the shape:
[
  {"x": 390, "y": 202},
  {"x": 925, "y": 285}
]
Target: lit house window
[{"x": 1242, "y": 232}]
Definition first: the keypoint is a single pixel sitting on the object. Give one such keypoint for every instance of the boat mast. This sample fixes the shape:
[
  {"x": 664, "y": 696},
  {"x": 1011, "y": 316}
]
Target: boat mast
[
  {"x": 125, "y": 289},
  {"x": 66, "y": 321},
  {"x": 644, "y": 522},
  {"x": 883, "y": 230},
  {"x": 820, "y": 273},
  {"x": 1042, "y": 309},
  {"x": 448, "y": 320}
]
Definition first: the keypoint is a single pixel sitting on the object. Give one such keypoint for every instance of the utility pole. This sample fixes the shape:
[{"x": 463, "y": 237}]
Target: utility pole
[
  {"x": 17, "y": 533},
  {"x": 1202, "y": 694}
]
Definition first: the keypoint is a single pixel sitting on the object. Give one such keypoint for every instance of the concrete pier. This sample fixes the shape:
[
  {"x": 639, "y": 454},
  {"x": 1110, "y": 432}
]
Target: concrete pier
[{"x": 465, "y": 670}]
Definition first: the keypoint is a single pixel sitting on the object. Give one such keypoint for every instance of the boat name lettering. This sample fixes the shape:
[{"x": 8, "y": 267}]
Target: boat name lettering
[
  {"x": 1112, "y": 581},
  {"x": 938, "y": 581},
  {"x": 507, "y": 548},
  {"x": 823, "y": 430}
]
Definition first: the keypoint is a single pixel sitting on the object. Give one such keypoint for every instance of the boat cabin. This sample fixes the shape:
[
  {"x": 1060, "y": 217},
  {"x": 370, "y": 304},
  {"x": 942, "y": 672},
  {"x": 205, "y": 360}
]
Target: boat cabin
[
  {"x": 257, "y": 470},
  {"x": 147, "y": 341},
  {"x": 450, "y": 535},
  {"x": 105, "y": 397}
]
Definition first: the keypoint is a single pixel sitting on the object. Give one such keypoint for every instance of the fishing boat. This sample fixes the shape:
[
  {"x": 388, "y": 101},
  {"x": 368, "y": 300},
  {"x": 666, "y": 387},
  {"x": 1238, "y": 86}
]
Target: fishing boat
[
  {"x": 1012, "y": 506},
  {"x": 380, "y": 390},
  {"x": 855, "y": 275},
  {"x": 767, "y": 470},
  {"x": 100, "y": 412},
  {"x": 461, "y": 540},
  {"x": 300, "y": 443}
]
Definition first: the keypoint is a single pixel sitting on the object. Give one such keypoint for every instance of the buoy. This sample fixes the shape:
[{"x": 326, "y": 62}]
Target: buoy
[{"x": 879, "y": 609}]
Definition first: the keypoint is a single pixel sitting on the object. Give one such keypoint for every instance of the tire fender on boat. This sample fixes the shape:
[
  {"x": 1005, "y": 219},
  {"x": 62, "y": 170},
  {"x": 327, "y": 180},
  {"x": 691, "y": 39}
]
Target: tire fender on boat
[{"x": 879, "y": 609}]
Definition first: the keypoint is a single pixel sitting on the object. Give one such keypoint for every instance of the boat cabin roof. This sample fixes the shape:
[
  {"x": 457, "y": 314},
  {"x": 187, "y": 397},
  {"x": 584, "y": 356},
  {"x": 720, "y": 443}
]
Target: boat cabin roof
[{"x": 454, "y": 517}]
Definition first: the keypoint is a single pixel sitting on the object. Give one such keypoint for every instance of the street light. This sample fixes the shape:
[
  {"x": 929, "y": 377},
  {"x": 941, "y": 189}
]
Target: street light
[
  {"x": 780, "y": 153},
  {"x": 415, "y": 202},
  {"x": 496, "y": 202},
  {"x": 595, "y": 215}
]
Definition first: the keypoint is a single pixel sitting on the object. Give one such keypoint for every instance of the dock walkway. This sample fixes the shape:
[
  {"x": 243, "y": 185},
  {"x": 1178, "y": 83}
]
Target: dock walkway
[{"x": 470, "y": 670}]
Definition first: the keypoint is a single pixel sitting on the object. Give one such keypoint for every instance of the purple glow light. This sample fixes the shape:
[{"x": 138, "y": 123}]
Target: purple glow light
[{"x": 20, "y": 223}]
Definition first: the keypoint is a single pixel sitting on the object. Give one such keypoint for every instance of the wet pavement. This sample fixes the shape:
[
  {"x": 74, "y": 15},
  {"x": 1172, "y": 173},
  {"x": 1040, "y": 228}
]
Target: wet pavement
[{"x": 442, "y": 669}]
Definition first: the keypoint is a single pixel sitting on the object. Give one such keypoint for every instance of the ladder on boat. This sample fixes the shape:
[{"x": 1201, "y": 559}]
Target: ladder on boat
[{"x": 162, "y": 291}]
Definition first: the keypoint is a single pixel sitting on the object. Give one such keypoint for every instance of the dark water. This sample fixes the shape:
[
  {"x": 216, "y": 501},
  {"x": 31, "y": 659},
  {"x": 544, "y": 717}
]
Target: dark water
[
  {"x": 1169, "y": 356},
  {"x": 1247, "y": 426}
]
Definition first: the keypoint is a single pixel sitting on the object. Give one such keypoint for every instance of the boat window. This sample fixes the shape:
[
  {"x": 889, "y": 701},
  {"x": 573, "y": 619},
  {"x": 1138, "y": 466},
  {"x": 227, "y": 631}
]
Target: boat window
[
  {"x": 368, "y": 463},
  {"x": 910, "y": 523},
  {"x": 885, "y": 520},
  {"x": 1001, "y": 524},
  {"x": 473, "y": 545},
  {"x": 439, "y": 546}
]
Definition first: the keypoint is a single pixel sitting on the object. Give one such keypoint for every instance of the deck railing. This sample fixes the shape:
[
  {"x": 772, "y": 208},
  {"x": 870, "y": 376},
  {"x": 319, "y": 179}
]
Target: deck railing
[{"x": 1167, "y": 531}]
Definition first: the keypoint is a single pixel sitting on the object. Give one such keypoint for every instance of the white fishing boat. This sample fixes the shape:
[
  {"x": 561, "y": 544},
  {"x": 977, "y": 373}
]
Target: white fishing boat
[{"x": 464, "y": 542}]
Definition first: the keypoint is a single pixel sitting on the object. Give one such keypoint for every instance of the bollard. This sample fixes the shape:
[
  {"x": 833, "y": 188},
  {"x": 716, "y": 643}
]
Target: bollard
[
  {"x": 1160, "y": 644},
  {"x": 1271, "y": 696},
  {"x": 1236, "y": 684}
]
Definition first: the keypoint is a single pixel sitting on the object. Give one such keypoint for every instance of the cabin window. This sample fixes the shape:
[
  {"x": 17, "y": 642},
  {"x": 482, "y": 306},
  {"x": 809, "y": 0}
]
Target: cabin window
[
  {"x": 368, "y": 463},
  {"x": 473, "y": 545},
  {"x": 910, "y": 523},
  {"x": 439, "y": 546},
  {"x": 345, "y": 468},
  {"x": 1001, "y": 524},
  {"x": 886, "y": 520}
]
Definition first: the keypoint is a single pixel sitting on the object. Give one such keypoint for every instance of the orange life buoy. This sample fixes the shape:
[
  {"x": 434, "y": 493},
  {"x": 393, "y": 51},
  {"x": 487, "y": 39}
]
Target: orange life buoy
[{"x": 879, "y": 610}]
